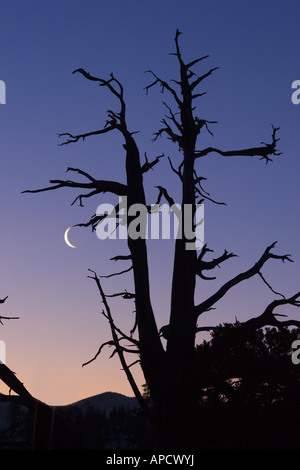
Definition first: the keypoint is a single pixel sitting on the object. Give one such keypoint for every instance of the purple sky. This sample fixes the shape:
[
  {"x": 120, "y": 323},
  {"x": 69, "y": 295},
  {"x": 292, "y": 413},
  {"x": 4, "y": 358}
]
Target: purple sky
[{"x": 255, "y": 44}]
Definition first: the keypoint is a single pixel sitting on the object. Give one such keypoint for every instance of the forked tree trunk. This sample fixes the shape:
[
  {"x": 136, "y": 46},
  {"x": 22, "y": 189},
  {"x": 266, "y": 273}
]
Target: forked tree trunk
[{"x": 170, "y": 373}]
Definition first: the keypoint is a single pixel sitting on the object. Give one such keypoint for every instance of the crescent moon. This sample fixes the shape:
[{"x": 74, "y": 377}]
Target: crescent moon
[{"x": 66, "y": 238}]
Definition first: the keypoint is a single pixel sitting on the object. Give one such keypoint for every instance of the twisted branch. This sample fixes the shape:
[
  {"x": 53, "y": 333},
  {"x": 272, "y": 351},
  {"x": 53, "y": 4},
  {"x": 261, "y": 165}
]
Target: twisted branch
[
  {"x": 268, "y": 317},
  {"x": 209, "y": 265},
  {"x": 97, "y": 186},
  {"x": 255, "y": 269},
  {"x": 263, "y": 152},
  {"x": 119, "y": 348}
]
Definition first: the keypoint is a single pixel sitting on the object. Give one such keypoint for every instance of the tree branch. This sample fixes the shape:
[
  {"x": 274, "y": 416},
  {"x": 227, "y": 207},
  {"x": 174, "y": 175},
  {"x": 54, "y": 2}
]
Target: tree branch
[
  {"x": 255, "y": 269},
  {"x": 102, "y": 82},
  {"x": 164, "y": 85},
  {"x": 263, "y": 152},
  {"x": 118, "y": 93},
  {"x": 121, "y": 258},
  {"x": 75, "y": 138},
  {"x": 119, "y": 273},
  {"x": 269, "y": 286},
  {"x": 107, "y": 343},
  {"x": 2, "y": 301},
  {"x": 209, "y": 265},
  {"x": 149, "y": 166},
  {"x": 194, "y": 62},
  {"x": 268, "y": 317},
  {"x": 7, "y": 318},
  {"x": 81, "y": 172},
  {"x": 97, "y": 219},
  {"x": 177, "y": 172},
  {"x": 204, "y": 194},
  {"x": 202, "y": 77},
  {"x": 125, "y": 295},
  {"x": 97, "y": 186},
  {"x": 173, "y": 118},
  {"x": 14, "y": 384},
  {"x": 171, "y": 135},
  {"x": 119, "y": 350},
  {"x": 164, "y": 192}
]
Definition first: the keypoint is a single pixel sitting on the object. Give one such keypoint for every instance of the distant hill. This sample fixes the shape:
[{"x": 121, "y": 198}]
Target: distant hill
[
  {"x": 107, "y": 420},
  {"x": 105, "y": 402}
]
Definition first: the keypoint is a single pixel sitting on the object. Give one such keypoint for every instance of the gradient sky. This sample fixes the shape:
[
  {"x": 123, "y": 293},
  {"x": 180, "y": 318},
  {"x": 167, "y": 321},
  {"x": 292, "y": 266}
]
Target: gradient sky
[{"x": 256, "y": 46}]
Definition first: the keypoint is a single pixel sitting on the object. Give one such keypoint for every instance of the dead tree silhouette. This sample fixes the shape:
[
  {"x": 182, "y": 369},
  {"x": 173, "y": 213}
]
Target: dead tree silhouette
[{"x": 169, "y": 370}]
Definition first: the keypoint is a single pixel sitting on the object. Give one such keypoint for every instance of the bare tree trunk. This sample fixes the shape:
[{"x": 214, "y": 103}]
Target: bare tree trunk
[{"x": 151, "y": 351}]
